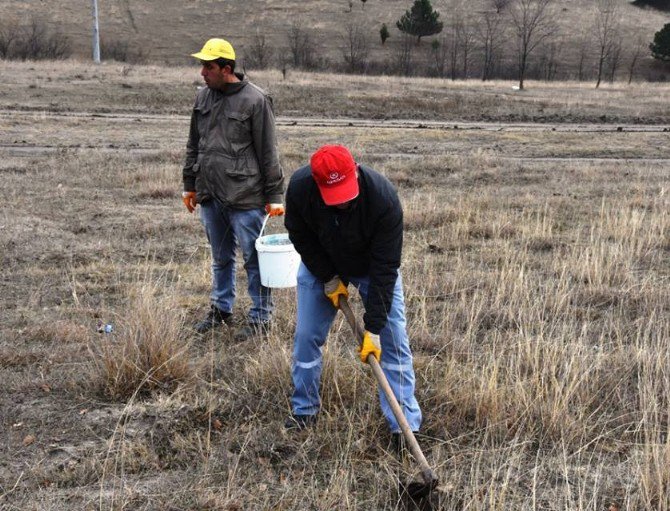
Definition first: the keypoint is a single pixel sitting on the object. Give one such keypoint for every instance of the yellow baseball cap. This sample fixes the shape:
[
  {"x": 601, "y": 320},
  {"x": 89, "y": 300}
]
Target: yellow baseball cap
[{"x": 216, "y": 49}]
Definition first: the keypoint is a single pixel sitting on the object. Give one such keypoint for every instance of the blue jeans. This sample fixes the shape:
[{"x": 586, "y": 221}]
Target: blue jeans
[
  {"x": 226, "y": 228},
  {"x": 315, "y": 316}
]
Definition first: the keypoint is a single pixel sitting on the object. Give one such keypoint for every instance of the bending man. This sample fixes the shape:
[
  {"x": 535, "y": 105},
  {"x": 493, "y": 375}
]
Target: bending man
[{"x": 345, "y": 220}]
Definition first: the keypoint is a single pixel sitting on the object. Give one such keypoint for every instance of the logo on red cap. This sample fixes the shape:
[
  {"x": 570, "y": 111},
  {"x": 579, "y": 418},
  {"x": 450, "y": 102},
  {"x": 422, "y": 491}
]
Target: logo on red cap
[{"x": 335, "y": 177}]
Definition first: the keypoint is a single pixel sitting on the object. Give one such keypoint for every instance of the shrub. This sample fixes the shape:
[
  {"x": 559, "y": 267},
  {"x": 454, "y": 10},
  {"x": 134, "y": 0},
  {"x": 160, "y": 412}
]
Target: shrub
[
  {"x": 36, "y": 41},
  {"x": 7, "y": 37},
  {"x": 301, "y": 46},
  {"x": 384, "y": 33},
  {"x": 121, "y": 51},
  {"x": 260, "y": 52},
  {"x": 148, "y": 353}
]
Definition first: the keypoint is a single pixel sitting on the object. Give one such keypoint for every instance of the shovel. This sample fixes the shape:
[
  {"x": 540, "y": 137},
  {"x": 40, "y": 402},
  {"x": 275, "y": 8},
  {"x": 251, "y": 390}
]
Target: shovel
[{"x": 414, "y": 489}]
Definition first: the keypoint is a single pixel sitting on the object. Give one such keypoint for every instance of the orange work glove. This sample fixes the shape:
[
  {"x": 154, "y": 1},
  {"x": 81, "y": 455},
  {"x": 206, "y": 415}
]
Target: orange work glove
[
  {"x": 370, "y": 346},
  {"x": 189, "y": 201},
  {"x": 335, "y": 288},
  {"x": 274, "y": 209}
]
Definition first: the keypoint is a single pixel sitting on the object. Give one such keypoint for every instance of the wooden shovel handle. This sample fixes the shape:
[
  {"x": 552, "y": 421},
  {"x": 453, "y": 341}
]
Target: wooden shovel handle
[{"x": 426, "y": 472}]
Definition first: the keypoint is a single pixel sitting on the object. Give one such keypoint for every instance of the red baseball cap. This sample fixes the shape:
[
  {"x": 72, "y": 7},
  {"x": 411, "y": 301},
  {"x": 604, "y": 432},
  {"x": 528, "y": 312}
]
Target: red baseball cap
[{"x": 334, "y": 170}]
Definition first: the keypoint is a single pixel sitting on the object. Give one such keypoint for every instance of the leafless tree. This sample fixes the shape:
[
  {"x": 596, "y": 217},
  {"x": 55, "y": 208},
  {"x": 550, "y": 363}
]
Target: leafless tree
[
  {"x": 489, "y": 31},
  {"x": 466, "y": 37},
  {"x": 357, "y": 49},
  {"x": 37, "y": 40},
  {"x": 8, "y": 34},
  {"x": 461, "y": 33},
  {"x": 614, "y": 58},
  {"x": 121, "y": 50},
  {"x": 583, "y": 49},
  {"x": 549, "y": 60},
  {"x": 607, "y": 32},
  {"x": 499, "y": 5},
  {"x": 533, "y": 24},
  {"x": 300, "y": 45},
  {"x": 452, "y": 47},
  {"x": 404, "y": 54},
  {"x": 638, "y": 49},
  {"x": 260, "y": 52},
  {"x": 439, "y": 48}
]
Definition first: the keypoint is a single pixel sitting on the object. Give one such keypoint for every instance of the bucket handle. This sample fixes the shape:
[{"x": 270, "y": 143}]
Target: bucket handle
[{"x": 267, "y": 217}]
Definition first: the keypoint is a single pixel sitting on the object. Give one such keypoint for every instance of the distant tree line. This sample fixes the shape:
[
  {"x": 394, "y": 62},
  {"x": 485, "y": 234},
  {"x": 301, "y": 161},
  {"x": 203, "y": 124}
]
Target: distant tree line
[
  {"x": 37, "y": 40},
  {"x": 473, "y": 45},
  {"x": 510, "y": 39}
]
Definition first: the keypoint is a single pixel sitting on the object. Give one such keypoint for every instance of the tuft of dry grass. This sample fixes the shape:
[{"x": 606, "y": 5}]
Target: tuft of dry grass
[{"x": 146, "y": 352}]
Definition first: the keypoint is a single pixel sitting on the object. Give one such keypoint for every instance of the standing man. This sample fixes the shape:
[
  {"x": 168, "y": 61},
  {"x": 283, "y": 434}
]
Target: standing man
[
  {"x": 345, "y": 220},
  {"x": 232, "y": 170}
]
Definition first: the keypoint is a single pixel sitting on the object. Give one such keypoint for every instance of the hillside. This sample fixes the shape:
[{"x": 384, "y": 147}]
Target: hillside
[
  {"x": 114, "y": 88},
  {"x": 169, "y": 33}
]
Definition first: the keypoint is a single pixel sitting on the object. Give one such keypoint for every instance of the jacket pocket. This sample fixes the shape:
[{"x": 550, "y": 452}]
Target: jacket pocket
[
  {"x": 238, "y": 127},
  {"x": 241, "y": 168}
]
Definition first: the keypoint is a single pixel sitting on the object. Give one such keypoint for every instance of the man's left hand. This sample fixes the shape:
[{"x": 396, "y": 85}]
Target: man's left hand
[
  {"x": 189, "y": 201},
  {"x": 370, "y": 346},
  {"x": 274, "y": 209}
]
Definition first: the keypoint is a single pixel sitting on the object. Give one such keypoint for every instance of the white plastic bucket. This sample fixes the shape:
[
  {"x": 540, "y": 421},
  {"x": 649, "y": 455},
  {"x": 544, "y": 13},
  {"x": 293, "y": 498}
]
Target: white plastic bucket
[{"x": 277, "y": 259}]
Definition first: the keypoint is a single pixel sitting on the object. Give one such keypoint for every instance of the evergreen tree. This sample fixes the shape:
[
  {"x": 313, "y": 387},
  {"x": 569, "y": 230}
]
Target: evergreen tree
[
  {"x": 663, "y": 5},
  {"x": 384, "y": 33},
  {"x": 660, "y": 48},
  {"x": 421, "y": 20}
]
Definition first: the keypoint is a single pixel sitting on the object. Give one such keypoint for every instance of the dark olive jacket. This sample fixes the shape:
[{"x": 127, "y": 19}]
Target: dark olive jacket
[
  {"x": 364, "y": 240},
  {"x": 231, "y": 154}
]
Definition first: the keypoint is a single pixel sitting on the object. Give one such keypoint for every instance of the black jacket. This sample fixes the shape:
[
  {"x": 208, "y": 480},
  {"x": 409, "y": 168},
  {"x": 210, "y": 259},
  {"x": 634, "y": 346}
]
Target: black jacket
[{"x": 364, "y": 240}]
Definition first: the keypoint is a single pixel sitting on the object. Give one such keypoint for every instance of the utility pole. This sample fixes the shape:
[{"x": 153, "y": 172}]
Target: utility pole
[{"x": 96, "y": 33}]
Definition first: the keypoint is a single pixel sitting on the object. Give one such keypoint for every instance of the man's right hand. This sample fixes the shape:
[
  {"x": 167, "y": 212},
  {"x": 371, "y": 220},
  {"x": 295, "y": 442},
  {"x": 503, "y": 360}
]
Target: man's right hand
[
  {"x": 189, "y": 201},
  {"x": 371, "y": 345},
  {"x": 335, "y": 288}
]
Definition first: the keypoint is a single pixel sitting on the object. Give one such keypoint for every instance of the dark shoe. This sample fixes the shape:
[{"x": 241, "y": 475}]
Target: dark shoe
[
  {"x": 300, "y": 422},
  {"x": 215, "y": 317},
  {"x": 251, "y": 331},
  {"x": 398, "y": 444}
]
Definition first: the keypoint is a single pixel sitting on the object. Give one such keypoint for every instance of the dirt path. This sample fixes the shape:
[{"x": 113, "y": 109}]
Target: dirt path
[
  {"x": 42, "y": 132},
  {"x": 28, "y": 150},
  {"x": 361, "y": 123}
]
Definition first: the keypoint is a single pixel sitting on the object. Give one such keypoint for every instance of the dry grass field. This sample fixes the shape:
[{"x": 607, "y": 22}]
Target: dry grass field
[{"x": 537, "y": 279}]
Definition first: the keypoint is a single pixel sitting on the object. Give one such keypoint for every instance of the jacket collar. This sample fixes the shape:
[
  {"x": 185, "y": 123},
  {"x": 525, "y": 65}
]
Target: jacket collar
[{"x": 233, "y": 88}]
